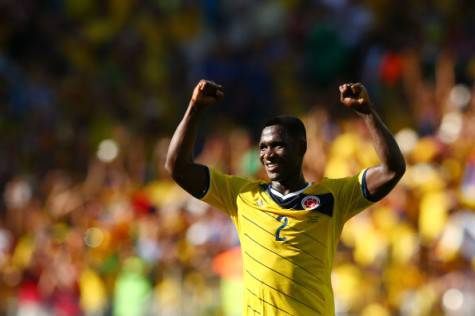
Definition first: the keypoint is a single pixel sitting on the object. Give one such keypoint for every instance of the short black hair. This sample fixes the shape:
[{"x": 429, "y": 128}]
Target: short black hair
[{"x": 293, "y": 125}]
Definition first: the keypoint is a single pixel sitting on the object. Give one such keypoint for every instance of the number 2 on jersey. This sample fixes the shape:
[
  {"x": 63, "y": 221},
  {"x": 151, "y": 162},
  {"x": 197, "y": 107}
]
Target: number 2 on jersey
[{"x": 284, "y": 220}]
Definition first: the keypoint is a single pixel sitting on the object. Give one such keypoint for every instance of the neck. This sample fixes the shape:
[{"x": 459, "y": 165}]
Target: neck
[{"x": 285, "y": 187}]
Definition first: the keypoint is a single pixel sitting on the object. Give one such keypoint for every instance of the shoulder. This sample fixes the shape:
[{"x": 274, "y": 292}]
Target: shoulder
[
  {"x": 335, "y": 184},
  {"x": 233, "y": 181},
  {"x": 344, "y": 185}
]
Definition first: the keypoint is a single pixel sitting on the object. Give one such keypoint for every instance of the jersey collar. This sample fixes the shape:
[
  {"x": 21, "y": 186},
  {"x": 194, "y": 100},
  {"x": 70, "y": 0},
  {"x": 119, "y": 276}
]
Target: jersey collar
[{"x": 288, "y": 195}]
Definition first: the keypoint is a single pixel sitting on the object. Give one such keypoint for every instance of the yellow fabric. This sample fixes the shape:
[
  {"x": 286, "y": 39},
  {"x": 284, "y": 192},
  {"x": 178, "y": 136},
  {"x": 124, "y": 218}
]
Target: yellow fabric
[
  {"x": 93, "y": 291},
  {"x": 433, "y": 213},
  {"x": 289, "y": 277}
]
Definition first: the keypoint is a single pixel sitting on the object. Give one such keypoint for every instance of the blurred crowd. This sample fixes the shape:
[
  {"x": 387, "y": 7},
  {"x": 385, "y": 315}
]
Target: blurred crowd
[{"x": 90, "y": 92}]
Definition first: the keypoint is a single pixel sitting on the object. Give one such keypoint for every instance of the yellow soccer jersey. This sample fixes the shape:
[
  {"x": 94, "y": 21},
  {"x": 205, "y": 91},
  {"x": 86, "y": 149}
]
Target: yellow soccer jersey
[{"x": 287, "y": 247}]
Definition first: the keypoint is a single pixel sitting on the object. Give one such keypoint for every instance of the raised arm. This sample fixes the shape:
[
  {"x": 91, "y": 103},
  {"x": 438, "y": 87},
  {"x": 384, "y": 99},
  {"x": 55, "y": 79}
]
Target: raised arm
[
  {"x": 189, "y": 175},
  {"x": 382, "y": 178}
]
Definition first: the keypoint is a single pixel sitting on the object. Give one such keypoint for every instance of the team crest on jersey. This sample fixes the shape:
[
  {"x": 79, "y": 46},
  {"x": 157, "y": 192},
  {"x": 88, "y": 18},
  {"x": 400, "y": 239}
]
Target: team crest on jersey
[{"x": 310, "y": 202}]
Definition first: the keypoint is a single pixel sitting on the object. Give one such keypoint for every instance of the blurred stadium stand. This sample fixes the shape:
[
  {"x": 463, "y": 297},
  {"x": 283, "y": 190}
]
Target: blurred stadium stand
[{"x": 90, "y": 92}]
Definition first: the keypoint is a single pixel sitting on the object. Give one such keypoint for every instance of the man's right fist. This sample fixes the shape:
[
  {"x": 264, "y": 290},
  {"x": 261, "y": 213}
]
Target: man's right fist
[{"x": 207, "y": 93}]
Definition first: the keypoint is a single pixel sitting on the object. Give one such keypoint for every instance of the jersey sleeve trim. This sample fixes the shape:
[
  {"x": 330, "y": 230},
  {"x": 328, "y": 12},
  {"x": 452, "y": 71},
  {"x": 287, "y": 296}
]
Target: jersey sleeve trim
[{"x": 364, "y": 188}]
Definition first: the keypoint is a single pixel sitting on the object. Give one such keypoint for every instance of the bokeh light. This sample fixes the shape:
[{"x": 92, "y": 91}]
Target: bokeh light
[
  {"x": 453, "y": 299},
  {"x": 91, "y": 92},
  {"x": 107, "y": 150}
]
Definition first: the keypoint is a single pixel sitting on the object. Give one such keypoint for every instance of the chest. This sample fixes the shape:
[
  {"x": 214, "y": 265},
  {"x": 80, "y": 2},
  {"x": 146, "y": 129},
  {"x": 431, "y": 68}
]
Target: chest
[{"x": 307, "y": 221}]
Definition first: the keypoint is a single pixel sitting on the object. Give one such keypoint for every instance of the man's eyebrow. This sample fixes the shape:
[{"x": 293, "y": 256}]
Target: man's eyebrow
[{"x": 272, "y": 142}]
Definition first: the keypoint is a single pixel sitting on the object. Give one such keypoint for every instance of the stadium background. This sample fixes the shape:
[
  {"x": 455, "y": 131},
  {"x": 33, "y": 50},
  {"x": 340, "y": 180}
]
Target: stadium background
[{"x": 90, "y": 92}]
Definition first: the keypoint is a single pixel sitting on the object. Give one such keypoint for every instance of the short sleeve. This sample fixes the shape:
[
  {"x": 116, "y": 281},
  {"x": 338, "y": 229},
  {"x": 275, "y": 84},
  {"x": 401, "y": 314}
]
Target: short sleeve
[
  {"x": 223, "y": 191},
  {"x": 353, "y": 196}
]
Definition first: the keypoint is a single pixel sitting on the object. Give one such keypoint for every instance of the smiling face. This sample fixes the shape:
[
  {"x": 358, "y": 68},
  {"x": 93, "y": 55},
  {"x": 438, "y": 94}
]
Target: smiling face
[{"x": 280, "y": 154}]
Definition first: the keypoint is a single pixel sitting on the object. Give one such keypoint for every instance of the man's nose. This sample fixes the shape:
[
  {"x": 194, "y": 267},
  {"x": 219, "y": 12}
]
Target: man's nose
[{"x": 269, "y": 153}]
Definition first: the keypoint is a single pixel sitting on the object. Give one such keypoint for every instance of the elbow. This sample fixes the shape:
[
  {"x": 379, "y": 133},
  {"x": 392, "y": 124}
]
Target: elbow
[
  {"x": 398, "y": 169},
  {"x": 402, "y": 167},
  {"x": 170, "y": 166},
  {"x": 175, "y": 168}
]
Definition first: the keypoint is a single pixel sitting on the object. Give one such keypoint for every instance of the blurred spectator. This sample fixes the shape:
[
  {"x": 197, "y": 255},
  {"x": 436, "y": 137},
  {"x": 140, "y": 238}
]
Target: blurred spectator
[{"x": 91, "y": 225}]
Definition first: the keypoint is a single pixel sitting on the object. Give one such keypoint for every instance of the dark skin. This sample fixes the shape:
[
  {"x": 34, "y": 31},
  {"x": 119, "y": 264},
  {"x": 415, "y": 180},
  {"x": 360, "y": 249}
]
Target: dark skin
[
  {"x": 380, "y": 179},
  {"x": 280, "y": 154},
  {"x": 282, "y": 157},
  {"x": 192, "y": 177}
]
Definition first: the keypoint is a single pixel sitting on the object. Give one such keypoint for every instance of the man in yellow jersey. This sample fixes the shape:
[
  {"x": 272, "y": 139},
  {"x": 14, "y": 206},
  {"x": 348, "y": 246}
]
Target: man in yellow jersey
[{"x": 289, "y": 229}]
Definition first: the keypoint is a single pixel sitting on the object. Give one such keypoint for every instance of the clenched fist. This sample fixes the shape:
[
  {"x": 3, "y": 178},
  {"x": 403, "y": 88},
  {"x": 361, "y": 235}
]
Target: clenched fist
[
  {"x": 355, "y": 96},
  {"x": 207, "y": 93}
]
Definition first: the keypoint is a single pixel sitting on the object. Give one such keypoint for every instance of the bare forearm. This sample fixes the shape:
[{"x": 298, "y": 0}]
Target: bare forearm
[
  {"x": 190, "y": 176},
  {"x": 382, "y": 178},
  {"x": 181, "y": 145},
  {"x": 384, "y": 143}
]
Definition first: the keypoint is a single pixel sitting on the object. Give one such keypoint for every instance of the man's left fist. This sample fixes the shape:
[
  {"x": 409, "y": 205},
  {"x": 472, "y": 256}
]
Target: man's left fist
[{"x": 355, "y": 96}]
